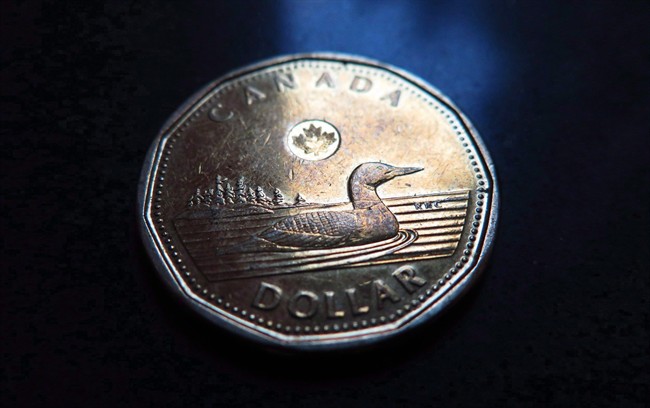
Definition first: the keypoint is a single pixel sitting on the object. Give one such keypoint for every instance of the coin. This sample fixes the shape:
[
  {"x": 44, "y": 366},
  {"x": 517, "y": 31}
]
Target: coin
[{"x": 318, "y": 201}]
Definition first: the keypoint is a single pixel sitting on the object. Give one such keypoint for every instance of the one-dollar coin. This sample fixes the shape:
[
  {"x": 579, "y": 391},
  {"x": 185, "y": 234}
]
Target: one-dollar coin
[{"x": 318, "y": 201}]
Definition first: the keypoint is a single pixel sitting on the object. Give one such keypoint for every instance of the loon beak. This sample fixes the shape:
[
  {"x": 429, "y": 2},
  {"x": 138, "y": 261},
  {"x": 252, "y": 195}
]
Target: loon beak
[{"x": 403, "y": 171}]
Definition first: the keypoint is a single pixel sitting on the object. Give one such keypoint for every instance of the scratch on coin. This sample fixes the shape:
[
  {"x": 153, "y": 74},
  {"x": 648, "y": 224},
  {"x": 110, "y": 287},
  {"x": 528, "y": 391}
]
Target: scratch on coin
[
  {"x": 225, "y": 140},
  {"x": 444, "y": 169},
  {"x": 243, "y": 123}
]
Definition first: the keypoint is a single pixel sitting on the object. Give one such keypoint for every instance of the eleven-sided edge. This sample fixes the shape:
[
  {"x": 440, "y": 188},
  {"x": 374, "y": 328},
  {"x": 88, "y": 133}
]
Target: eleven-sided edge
[{"x": 225, "y": 320}]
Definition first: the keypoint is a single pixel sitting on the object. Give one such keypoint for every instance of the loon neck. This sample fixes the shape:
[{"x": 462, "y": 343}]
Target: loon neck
[{"x": 363, "y": 196}]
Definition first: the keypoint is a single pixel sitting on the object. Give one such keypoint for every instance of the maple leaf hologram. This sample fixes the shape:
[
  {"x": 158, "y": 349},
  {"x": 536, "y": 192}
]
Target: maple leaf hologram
[
  {"x": 314, "y": 140},
  {"x": 301, "y": 142}
]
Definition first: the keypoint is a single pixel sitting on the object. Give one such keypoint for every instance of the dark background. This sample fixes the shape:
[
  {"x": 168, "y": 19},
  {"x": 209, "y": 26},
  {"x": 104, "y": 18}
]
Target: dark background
[{"x": 559, "y": 92}]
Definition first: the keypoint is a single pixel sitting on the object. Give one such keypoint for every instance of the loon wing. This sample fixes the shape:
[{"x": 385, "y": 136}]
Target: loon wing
[{"x": 322, "y": 229}]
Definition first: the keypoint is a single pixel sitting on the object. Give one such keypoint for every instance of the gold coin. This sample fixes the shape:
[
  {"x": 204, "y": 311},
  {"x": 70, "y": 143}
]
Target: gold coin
[{"x": 318, "y": 201}]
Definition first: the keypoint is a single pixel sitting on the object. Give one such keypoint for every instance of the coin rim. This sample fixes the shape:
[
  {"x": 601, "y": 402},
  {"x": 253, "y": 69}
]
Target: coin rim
[{"x": 426, "y": 314}]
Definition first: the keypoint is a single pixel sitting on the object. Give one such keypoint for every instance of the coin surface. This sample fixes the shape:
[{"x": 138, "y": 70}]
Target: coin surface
[{"x": 318, "y": 201}]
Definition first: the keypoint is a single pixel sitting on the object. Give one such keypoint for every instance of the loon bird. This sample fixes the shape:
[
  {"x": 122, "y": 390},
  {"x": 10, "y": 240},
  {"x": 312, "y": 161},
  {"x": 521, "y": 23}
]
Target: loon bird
[{"x": 369, "y": 221}]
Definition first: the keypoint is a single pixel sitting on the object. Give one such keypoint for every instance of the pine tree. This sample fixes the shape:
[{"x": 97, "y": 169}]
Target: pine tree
[
  {"x": 250, "y": 196},
  {"x": 219, "y": 191},
  {"x": 240, "y": 191},
  {"x": 299, "y": 199},
  {"x": 198, "y": 197},
  {"x": 278, "y": 198},
  {"x": 207, "y": 196},
  {"x": 230, "y": 194},
  {"x": 260, "y": 196}
]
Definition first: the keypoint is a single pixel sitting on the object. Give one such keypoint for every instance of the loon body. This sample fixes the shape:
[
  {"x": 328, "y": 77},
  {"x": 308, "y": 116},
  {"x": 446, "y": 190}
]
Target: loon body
[{"x": 369, "y": 221}]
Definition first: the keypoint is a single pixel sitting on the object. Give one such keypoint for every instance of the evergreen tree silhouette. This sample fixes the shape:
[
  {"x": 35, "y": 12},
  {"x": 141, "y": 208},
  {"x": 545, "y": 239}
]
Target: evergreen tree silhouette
[
  {"x": 198, "y": 197},
  {"x": 230, "y": 194},
  {"x": 219, "y": 191},
  {"x": 250, "y": 195},
  {"x": 299, "y": 199},
  {"x": 278, "y": 198},
  {"x": 260, "y": 196},
  {"x": 207, "y": 196},
  {"x": 240, "y": 191}
]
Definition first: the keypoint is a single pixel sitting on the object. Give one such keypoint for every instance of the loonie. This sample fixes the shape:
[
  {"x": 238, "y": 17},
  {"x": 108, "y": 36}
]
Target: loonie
[{"x": 318, "y": 201}]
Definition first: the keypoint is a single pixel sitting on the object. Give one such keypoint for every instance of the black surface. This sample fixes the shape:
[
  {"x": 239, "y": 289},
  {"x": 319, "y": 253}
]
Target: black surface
[{"x": 558, "y": 91}]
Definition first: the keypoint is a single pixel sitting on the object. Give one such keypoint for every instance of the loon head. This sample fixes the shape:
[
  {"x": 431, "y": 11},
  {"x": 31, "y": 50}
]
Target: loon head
[{"x": 375, "y": 174}]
